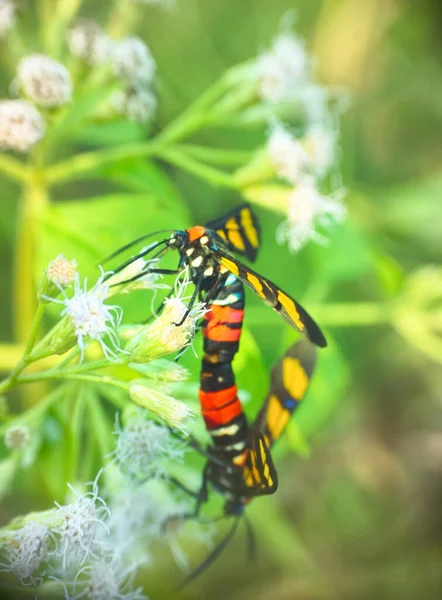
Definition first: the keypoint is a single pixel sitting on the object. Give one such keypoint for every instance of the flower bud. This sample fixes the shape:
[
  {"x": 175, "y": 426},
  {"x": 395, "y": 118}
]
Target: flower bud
[
  {"x": 173, "y": 412},
  {"x": 21, "y": 125},
  {"x": 17, "y": 437},
  {"x": 63, "y": 336},
  {"x": 164, "y": 335},
  {"x": 44, "y": 80},
  {"x": 60, "y": 273},
  {"x": 7, "y": 15}
]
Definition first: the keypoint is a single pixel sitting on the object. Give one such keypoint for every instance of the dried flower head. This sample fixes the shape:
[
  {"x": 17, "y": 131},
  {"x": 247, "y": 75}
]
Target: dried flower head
[
  {"x": 136, "y": 104},
  {"x": 7, "y": 16},
  {"x": 21, "y": 125},
  {"x": 87, "y": 40},
  {"x": 62, "y": 271},
  {"x": 45, "y": 81},
  {"x": 17, "y": 437},
  {"x": 90, "y": 317},
  {"x": 173, "y": 412},
  {"x": 26, "y": 551},
  {"x": 287, "y": 154},
  {"x": 132, "y": 61},
  {"x": 80, "y": 526},
  {"x": 308, "y": 209},
  {"x": 144, "y": 447}
]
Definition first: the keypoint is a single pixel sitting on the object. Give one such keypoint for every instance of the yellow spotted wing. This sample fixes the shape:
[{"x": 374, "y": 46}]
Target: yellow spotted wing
[
  {"x": 259, "y": 473},
  {"x": 290, "y": 378},
  {"x": 239, "y": 231},
  {"x": 290, "y": 310}
]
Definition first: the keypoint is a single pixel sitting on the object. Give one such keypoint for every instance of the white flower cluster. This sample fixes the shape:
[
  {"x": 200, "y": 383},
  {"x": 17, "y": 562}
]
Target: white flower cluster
[
  {"x": 7, "y": 15},
  {"x": 42, "y": 81},
  {"x": 87, "y": 41},
  {"x": 133, "y": 64},
  {"x": 21, "y": 125},
  {"x": 70, "y": 545},
  {"x": 144, "y": 448},
  {"x": 285, "y": 74}
]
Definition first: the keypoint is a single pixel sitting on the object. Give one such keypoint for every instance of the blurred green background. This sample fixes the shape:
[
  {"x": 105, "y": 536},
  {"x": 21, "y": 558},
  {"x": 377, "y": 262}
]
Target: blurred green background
[{"x": 359, "y": 517}]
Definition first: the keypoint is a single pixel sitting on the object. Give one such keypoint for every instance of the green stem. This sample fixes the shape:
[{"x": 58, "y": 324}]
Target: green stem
[
  {"x": 31, "y": 341},
  {"x": 49, "y": 375},
  {"x": 34, "y": 202},
  {"x": 214, "y": 176},
  {"x": 14, "y": 169},
  {"x": 90, "y": 161},
  {"x": 216, "y": 156}
]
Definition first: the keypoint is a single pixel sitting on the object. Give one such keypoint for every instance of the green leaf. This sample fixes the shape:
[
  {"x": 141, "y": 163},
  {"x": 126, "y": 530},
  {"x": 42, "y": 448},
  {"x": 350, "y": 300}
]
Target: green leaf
[{"x": 90, "y": 230}]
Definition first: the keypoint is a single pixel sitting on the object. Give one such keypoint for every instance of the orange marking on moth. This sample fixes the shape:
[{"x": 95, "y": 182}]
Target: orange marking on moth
[
  {"x": 223, "y": 314},
  {"x": 222, "y": 416},
  {"x": 196, "y": 232},
  {"x": 221, "y": 333},
  {"x": 218, "y": 399}
]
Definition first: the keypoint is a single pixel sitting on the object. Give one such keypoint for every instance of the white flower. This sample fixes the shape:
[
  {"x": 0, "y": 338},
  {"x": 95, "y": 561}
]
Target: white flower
[
  {"x": 173, "y": 412},
  {"x": 90, "y": 317},
  {"x": 106, "y": 579},
  {"x": 44, "y": 80},
  {"x": 287, "y": 154},
  {"x": 308, "y": 208},
  {"x": 132, "y": 61},
  {"x": 17, "y": 437},
  {"x": 86, "y": 40},
  {"x": 144, "y": 448},
  {"x": 282, "y": 69},
  {"x": 21, "y": 125},
  {"x": 26, "y": 551},
  {"x": 80, "y": 526},
  {"x": 136, "y": 104},
  {"x": 319, "y": 143},
  {"x": 62, "y": 271},
  {"x": 7, "y": 14}
]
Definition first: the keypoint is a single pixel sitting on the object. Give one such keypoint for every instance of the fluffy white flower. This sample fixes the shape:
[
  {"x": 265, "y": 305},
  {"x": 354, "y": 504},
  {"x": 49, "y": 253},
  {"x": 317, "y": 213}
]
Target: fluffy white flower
[
  {"x": 44, "y": 80},
  {"x": 136, "y": 276},
  {"x": 136, "y": 104},
  {"x": 132, "y": 61},
  {"x": 281, "y": 70},
  {"x": 79, "y": 526},
  {"x": 62, "y": 271},
  {"x": 105, "y": 579},
  {"x": 17, "y": 437},
  {"x": 144, "y": 448},
  {"x": 320, "y": 145},
  {"x": 86, "y": 40},
  {"x": 91, "y": 317},
  {"x": 287, "y": 154},
  {"x": 7, "y": 15},
  {"x": 26, "y": 551},
  {"x": 21, "y": 125},
  {"x": 308, "y": 209}
]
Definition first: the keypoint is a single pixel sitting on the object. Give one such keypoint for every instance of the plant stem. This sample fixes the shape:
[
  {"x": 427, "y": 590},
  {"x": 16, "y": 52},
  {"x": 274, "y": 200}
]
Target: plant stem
[
  {"x": 31, "y": 341},
  {"x": 48, "y": 375},
  {"x": 34, "y": 202},
  {"x": 14, "y": 169},
  {"x": 90, "y": 161},
  {"x": 216, "y": 156},
  {"x": 214, "y": 176}
]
